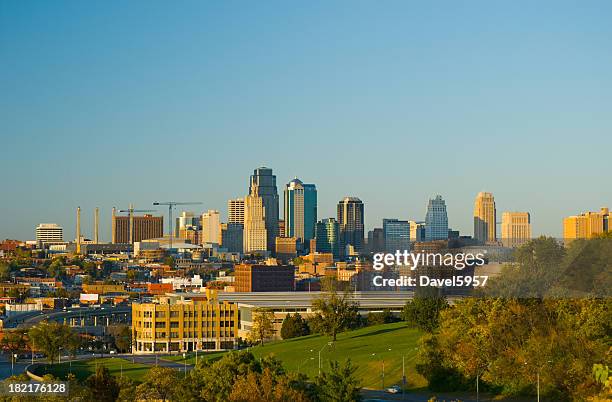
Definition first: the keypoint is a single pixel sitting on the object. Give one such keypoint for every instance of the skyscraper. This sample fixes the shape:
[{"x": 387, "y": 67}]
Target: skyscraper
[
  {"x": 211, "y": 227},
  {"x": 436, "y": 220},
  {"x": 300, "y": 210},
  {"x": 255, "y": 233},
  {"x": 263, "y": 184},
  {"x": 485, "y": 230},
  {"x": 350, "y": 221},
  {"x": 515, "y": 229},
  {"x": 327, "y": 237},
  {"x": 396, "y": 234},
  {"x": 235, "y": 211},
  {"x": 376, "y": 240}
]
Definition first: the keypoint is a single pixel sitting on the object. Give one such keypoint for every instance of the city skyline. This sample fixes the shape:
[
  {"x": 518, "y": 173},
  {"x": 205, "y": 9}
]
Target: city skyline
[{"x": 99, "y": 111}]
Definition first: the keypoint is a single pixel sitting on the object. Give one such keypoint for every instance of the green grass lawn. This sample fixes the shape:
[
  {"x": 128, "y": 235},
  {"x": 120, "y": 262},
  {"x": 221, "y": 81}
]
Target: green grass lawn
[
  {"x": 84, "y": 368},
  {"x": 367, "y": 348}
]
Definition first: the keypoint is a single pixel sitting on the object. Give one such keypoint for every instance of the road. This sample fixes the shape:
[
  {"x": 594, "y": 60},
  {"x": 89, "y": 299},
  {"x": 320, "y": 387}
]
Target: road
[{"x": 370, "y": 395}]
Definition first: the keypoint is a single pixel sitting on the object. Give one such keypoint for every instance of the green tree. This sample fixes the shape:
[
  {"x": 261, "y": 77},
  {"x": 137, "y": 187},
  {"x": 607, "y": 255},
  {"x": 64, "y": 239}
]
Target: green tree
[
  {"x": 383, "y": 317},
  {"x": 50, "y": 337},
  {"x": 424, "y": 311},
  {"x": 334, "y": 311},
  {"x": 160, "y": 383},
  {"x": 339, "y": 384},
  {"x": 294, "y": 326},
  {"x": 122, "y": 337},
  {"x": 263, "y": 326},
  {"x": 103, "y": 385}
]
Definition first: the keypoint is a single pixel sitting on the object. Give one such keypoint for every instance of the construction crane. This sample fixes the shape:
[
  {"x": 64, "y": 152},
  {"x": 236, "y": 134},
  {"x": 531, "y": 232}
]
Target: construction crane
[
  {"x": 171, "y": 205},
  {"x": 130, "y": 211}
]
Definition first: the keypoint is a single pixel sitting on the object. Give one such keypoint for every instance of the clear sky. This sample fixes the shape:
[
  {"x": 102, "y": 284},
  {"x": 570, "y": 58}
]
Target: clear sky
[{"x": 110, "y": 102}]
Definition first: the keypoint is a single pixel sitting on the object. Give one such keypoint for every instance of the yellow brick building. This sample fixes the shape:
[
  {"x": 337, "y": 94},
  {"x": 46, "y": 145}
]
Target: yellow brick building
[
  {"x": 586, "y": 225},
  {"x": 171, "y": 324}
]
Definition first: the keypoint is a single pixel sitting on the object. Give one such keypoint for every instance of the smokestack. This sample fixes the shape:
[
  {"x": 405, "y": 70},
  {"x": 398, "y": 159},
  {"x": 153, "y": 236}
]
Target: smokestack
[
  {"x": 113, "y": 239},
  {"x": 78, "y": 231},
  {"x": 96, "y": 227}
]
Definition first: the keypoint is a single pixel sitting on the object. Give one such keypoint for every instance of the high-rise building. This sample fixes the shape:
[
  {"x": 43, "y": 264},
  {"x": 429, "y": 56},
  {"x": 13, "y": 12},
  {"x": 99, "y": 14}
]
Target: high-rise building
[
  {"x": 263, "y": 184},
  {"x": 300, "y": 210},
  {"x": 211, "y": 227},
  {"x": 396, "y": 234},
  {"x": 586, "y": 225},
  {"x": 515, "y": 229},
  {"x": 485, "y": 229},
  {"x": 232, "y": 237},
  {"x": 235, "y": 211},
  {"x": 255, "y": 232},
  {"x": 187, "y": 221},
  {"x": 436, "y": 220},
  {"x": 49, "y": 233},
  {"x": 417, "y": 231},
  {"x": 145, "y": 227},
  {"x": 376, "y": 240},
  {"x": 327, "y": 235},
  {"x": 351, "y": 222}
]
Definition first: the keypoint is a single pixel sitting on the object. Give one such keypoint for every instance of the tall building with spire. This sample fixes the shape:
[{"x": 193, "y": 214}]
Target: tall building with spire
[
  {"x": 351, "y": 223},
  {"x": 436, "y": 220},
  {"x": 263, "y": 185},
  {"x": 485, "y": 215},
  {"x": 300, "y": 210}
]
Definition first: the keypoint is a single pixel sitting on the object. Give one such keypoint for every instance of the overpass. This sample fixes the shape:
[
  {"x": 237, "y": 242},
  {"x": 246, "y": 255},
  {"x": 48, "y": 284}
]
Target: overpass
[{"x": 90, "y": 320}]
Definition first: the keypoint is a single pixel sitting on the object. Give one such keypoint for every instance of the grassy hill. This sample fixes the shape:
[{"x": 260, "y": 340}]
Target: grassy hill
[{"x": 367, "y": 348}]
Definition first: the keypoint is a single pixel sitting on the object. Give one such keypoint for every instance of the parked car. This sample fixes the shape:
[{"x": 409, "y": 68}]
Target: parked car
[{"x": 396, "y": 389}]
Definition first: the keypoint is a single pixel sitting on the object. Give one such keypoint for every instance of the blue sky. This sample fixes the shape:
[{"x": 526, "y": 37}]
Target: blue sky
[{"x": 107, "y": 103}]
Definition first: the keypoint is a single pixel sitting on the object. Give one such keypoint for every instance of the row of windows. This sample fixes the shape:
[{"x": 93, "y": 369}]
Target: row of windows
[
  {"x": 186, "y": 314},
  {"x": 186, "y": 324},
  {"x": 186, "y": 334}
]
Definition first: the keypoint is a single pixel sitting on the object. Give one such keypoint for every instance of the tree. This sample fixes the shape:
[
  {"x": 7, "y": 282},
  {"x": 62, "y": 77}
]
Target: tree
[
  {"x": 334, "y": 312},
  {"x": 263, "y": 326},
  {"x": 14, "y": 341},
  {"x": 424, "y": 310},
  {"x": 5, "y": 271},
  {"x": 294, "y": 326},
  {"x": 383, "y": 317},
  {"x": 122, "y": 337},
  {"x": 266, "y": 386},
  {"x": 169, "y": 260},
  {"x": 339, "y": 384},
  {"x": 50, "y": 337},
  {"x": 160, "y": 383},
  {"x": 103, "y": 385}
]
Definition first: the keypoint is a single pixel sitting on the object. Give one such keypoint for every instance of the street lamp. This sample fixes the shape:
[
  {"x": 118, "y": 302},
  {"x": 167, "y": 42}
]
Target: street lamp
[
  {"x": 539, "y": 368},
  {"x": 324, "y": 346},
  {"x": 185, "y": 360}
]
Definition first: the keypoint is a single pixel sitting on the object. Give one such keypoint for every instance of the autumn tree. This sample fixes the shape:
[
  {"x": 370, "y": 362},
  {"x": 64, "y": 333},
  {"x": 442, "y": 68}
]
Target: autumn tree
[
  {"x": 160, "y": 383},
  {"x": 263, "y": 326}
]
